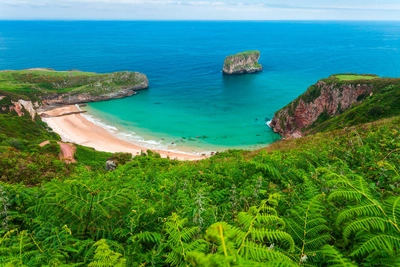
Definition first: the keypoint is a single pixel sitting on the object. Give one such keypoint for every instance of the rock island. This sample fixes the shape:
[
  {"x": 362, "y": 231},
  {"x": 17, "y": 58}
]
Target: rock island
[{"x": 244, "y": 62}]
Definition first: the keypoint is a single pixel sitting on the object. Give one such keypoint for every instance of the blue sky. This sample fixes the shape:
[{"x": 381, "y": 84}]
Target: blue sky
[{"x": 201, "y": 9}]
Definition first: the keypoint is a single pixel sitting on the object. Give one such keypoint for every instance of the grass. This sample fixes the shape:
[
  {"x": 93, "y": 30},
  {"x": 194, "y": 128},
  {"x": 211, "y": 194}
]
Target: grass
[
  {"x": 247, "y": 53},
  {"x": 95, "y": 160},
  {"x": 354, "y": 77},
  {"x": 35, "y": 83}
]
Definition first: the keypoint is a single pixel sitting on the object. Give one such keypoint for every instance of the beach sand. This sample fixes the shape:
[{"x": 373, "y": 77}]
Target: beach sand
[{"x": 74, "y": 128}]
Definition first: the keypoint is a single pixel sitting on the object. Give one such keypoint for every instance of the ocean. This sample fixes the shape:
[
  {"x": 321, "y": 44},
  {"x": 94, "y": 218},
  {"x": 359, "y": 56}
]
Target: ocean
[{"x": 190, "y": 105}]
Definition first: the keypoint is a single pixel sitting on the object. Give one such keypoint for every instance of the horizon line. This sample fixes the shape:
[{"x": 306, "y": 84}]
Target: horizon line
[{"x": 206, "y": 20}]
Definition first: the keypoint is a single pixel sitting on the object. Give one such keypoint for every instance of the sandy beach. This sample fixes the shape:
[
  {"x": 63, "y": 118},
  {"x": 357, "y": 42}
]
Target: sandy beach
[{"x": 73, "y": 127}]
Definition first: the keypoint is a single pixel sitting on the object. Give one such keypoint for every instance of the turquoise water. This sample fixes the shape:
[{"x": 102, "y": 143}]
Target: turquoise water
[{"x": 189, "y": 102}]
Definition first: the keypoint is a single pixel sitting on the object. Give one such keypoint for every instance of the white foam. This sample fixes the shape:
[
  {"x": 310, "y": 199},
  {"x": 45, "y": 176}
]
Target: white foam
[
  {"x": 100, "y": 123},
  {"x": 133, "y": 138},
  {"x": 268, "y": 123}
]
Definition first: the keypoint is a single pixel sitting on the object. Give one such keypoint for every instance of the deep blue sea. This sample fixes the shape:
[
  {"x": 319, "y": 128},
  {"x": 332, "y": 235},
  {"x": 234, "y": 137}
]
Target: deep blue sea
[{"x": 189, "y": 102}]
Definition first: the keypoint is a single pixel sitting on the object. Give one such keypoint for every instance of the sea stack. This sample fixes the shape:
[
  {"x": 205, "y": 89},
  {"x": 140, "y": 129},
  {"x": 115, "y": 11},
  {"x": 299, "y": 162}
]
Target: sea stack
[{"x": 243, "y": 62}]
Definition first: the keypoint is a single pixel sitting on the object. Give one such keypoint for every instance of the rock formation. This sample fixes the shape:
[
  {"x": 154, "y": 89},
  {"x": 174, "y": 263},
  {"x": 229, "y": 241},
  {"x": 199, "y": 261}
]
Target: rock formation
[
  {"x": 21, "y": 105},
  {"x": 321, "y": 99},
  {"x": 244, "y": 62},
  {"x": 51, "y": 89},
  {"x": 139, "y": 82}
]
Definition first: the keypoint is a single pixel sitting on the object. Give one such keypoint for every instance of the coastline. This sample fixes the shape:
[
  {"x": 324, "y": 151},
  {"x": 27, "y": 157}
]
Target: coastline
[{"x": 72, "y": 127}]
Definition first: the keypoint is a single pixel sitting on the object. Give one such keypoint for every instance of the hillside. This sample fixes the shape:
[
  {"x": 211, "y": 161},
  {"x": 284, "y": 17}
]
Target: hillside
[
  {"x": 328, "y": 199},
  {"x": 48, "y": 87},
  {"x": 337, "y": 102}
]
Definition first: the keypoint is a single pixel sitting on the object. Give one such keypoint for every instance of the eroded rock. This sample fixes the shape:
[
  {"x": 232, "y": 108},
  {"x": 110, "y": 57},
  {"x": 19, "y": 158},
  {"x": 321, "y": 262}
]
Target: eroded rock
[{"x": 244, "y": 62}]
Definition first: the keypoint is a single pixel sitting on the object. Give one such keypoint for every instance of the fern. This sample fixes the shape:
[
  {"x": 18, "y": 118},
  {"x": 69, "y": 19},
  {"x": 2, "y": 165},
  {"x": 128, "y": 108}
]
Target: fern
[
  {"x": 333, "y": 258},
  {"x": 105, "y": 257},
  {"x": 368, "y": 226},
  {"x": 308, "y": 228},
  {"x": 257, "y": 238},
  {"x": 179, "y": 240},
  {"x": 86, "y": 209},
  {"x": 19, "y": 249}
]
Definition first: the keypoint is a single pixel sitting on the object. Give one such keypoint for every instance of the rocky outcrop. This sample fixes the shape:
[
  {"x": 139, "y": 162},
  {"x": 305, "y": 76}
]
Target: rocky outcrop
[
  {"x": 21, "y": 105},
  {"x": 321, "y": 99},
  {"x": 57, "y": 88},
  {"x": 100, "y": 92},
  {"x": 244, "y": 62},
  {"x": 72, "y": 98}
]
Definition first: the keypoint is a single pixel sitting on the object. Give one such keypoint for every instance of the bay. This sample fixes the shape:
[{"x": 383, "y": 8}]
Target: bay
[{"x": 190, "y": 105}]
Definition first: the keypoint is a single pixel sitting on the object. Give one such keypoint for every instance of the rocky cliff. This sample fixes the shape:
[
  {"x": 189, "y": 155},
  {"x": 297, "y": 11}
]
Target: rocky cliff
[
  {"x": 244, "y": 62},
  {"x": 319, "y": 102},
  {"x": 20, "y": 107}
]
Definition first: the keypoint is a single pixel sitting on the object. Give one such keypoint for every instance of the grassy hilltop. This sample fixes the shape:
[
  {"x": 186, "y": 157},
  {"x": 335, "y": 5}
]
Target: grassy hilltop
[
  {"x": 327, "y": 199},
  {"x": 35, "y": 84}
]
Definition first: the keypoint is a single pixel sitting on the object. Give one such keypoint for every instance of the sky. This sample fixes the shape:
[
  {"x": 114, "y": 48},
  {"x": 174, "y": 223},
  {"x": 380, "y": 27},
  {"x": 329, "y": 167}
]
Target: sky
[{"x": 200, "y": 9}]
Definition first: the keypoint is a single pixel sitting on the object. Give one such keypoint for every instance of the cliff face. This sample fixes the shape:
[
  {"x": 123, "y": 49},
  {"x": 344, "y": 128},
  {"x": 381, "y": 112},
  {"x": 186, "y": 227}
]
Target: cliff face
[
  {"x": 20, "y": 107},
  {"x": 245, "y": 62},
  {"x": 321, "y": 99}
]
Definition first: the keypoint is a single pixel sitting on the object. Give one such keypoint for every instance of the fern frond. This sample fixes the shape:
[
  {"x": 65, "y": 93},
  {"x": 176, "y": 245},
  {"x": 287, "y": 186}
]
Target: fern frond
[
  {"x": 309, "y": 229},
  {"x": 267, "y": 236},
  {"x": 392, "y": 205},
  {"x": 379, "y": 242},
  {"x": 261, "y": 253},
  {"x": 83, "y": 208},
  {"x": 150, "y": 237},
  {"x": 267, "y": 169},
  {"x": 105, "y": 257},
  {"x": 334, "y": 258},
  {"x": 345, "y": 194},
  {"x": 364, "y": 224},
  {"x": 382, "y": 258},
  {"x": 365, "y": 208},
  {"x": 247, "y": 218},
  {"x": 180, "y": 240}
]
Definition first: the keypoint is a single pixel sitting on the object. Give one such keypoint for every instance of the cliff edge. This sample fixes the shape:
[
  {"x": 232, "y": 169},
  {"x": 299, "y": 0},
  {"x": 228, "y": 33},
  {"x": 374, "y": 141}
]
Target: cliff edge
[
  {"x": 337, "y": 102},
  {"x": 244, "y": 62}
]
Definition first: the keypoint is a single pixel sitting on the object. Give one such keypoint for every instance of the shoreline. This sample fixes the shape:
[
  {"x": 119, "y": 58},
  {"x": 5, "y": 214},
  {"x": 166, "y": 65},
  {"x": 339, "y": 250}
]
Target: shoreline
[{"x": 72, "y": 127}]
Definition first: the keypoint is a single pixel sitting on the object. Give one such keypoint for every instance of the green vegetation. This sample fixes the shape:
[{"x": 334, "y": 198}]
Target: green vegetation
[
  {"x": 383, "y": 102},
  {"x": 248, "y": 53},
  {"x": 329, "y": 199},
  {"x": 34, "y": 84},
  {"x": 24, "y": 127},
  {"x": 354, "y": 77},
  {"x": 234, "y": 60}
]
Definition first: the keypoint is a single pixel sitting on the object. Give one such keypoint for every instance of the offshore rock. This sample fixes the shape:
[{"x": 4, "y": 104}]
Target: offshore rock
[
  {"x": 244, "y": 62},
  {"x": 321, "y": 99}
]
